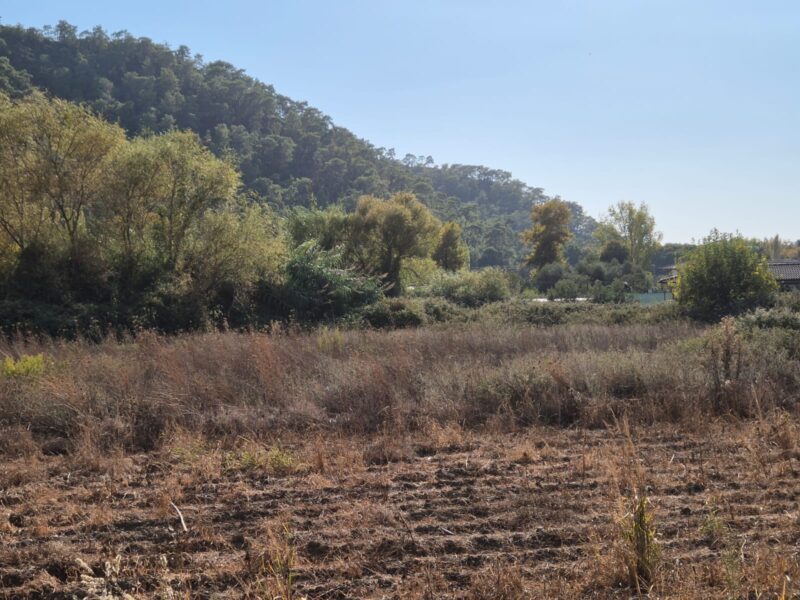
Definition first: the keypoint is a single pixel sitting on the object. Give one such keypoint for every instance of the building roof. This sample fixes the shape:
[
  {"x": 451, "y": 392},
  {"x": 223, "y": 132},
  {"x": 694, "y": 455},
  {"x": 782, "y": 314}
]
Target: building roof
[{"x": 785, "y": 270}]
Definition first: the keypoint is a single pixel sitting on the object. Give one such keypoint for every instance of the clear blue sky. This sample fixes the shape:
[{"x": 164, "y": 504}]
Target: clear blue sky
[{"x": 691, "y": 106}]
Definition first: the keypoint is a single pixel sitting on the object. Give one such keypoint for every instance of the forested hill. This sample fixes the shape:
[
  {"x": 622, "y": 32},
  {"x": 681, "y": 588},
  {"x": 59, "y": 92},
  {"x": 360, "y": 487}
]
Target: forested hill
[{"x": 288, "y": 152}]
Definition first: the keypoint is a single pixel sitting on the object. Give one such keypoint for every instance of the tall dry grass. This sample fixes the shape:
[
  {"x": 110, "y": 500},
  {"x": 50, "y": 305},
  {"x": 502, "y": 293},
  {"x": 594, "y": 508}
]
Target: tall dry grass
[{"x": 130, "y": 394}]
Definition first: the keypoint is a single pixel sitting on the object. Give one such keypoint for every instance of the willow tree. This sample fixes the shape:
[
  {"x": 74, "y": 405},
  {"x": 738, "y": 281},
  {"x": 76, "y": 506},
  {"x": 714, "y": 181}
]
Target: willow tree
[
  {"x": 53, "y": 160},
  {"x": 193, "y": 182},
  {"x": 136, "y": 177},
  {"x": 24, "y": 215},
  {"x": 383, "y": 233}
]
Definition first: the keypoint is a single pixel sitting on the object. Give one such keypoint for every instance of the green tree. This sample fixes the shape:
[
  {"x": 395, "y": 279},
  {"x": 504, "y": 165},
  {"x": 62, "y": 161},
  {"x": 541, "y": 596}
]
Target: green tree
[
  {"x": 194, "y": 182},
  {"x": 319, "y": 284},
  {"x": 635, "y": 228},
  {"x": 12, "y": 82},
  {"x": 328, "y": 227},
  {"x": 135, "y": 178},
  {"x": 288, "y": 152},
  {"x": 549, "y": 233},
  {"x": 614, "y": 250},
  {"x": 383, "y": 233},
  {"x": 60, "y": 152},
  {"x": 24, "y": 215},
  {"x": 450, "y": 252},
  {"x": 723, "y": 276}
]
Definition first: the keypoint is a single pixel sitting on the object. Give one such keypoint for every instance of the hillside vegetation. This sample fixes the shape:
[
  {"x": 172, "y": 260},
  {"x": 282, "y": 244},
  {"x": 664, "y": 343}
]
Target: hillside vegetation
[{"x": 288, "y": 152}]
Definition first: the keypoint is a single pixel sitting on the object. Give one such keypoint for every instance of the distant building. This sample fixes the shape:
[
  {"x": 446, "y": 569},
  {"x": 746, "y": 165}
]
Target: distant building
[
  {"x": 787, "y": 273},
  {"x": 667, "y": 276}
]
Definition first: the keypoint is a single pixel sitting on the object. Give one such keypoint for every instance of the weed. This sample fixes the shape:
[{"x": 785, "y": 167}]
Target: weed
[
  {"x": 330, "y": 340},
  {"x": 718, "y": 535},
  {"x": 724, "y": 360},
  {"x": 499, "y": 582},
  {"x": 642, "y": 553},
  {"x": 274, "y": 557},
  {"x": 281, "y": 462},
  {"x": 24, "y": 366},
  {"x": 252, "y": 456}
]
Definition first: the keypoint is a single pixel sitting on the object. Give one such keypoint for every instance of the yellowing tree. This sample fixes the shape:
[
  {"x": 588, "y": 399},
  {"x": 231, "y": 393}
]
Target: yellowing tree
[
  {"x": 549, "y": 233},
  {"x": 23, "y": 215},
  {"x": 451, "y": 253},
  {"x": 70, "y": 149},
  {"x": 382, "y": 233},
  {"x": 136, "y": 177},
  {"x": 234, "y": 247}
]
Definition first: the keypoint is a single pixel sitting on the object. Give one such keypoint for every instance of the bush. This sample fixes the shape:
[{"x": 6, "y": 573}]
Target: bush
[
  {"x": 723, "y": 276},
  {"x": 394, "y": 313},
  {"x": 614, "y": 293},
  {"x": 789, "y": 300},
  {"x": 565, "y": 289},
  {"x": 439, "y": 310},
  {"x": 557, "y": 313},
  {"x": 25, "y": 366},
  {"x": 319, "y": 286},
  {"x": 546, "y": 277},
  {"x": 770, "y": 319},
  {"x": 473, "y": 288}
]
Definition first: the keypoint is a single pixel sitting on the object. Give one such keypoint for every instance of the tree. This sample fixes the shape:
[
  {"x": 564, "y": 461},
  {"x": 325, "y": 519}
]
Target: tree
[
  {"x": 549, "y": 275},
  {"x": 450, "y": 252},
  {"x": 230, "y": 250},
  {"x": 723, "y": 276},
  {"x": 135, "y": 178},
  {"x": 635, "y": 228},
  {"x": 319, "y": 284},
  {"x": 328, "y": 228},
  {"x": 24, "y": 216},
  {"x": 195, "y": 181},
  {"x": 614, "y": 250},
  {"x": 12, "y": 82},
  {"x": 53, "y": 160},
  {"x": 287, "y": 151},
  {"x": 549, "y": 233},
  {"x": 383, "y": 233}
]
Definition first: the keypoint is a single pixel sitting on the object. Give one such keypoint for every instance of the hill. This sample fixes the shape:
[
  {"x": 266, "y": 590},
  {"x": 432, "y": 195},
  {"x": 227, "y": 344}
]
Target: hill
[{"x": 288, "y": 152}]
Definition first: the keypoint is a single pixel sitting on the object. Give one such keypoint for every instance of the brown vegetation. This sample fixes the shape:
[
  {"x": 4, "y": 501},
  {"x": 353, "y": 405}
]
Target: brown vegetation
[{"x": 482, "y": 462}]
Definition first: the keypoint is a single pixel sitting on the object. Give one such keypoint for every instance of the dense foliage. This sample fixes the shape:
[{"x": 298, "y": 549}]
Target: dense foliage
[
  {"x": 549, "y": 233},
  {"x": 287, "y": 152},
  {"x": 723, "y": 276},
  {"x": 99, "y": 231}
]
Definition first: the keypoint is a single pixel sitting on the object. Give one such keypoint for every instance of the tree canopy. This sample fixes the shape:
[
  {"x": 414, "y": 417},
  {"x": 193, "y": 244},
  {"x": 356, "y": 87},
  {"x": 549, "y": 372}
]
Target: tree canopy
[
  {"x": 549, "y": 233},
  {"x": 287, "y": 152},
  {"x": 450, "y": 252},
  {"x": 723, "y": 276},
  {"x": 635, "y": 228}
]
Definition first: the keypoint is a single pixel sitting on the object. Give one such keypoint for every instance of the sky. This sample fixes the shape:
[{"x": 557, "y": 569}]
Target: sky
[{"x": 691, "y": 107}]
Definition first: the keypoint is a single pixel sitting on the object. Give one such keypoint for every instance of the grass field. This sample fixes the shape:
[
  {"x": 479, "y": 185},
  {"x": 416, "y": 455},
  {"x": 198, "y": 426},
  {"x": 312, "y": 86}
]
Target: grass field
[{"x": 483, "y": 460}]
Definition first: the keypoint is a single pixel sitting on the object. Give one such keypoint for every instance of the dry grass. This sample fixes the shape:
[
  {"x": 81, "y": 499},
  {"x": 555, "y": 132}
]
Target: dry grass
[
  {"x": 135, "y": 395},
  {"x": 541, "y": 513},
  {"x": 476, "y": 462}
]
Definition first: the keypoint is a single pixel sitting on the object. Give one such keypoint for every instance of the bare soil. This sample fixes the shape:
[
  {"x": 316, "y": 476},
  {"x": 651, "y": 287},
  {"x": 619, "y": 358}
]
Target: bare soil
[{"x": 534, "y": 513}]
